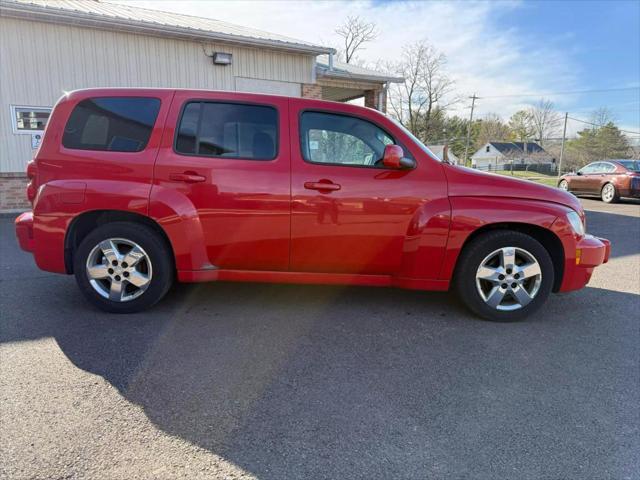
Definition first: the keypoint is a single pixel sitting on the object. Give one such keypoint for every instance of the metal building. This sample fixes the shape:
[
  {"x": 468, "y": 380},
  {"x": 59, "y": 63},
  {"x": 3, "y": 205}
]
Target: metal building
[{"x": 48, "y": 47}]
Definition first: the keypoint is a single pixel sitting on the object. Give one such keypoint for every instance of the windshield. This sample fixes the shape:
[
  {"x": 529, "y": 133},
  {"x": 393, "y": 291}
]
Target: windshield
[
  {"x": 422, "y": 146},
  {"x": 633, "y": 165}
]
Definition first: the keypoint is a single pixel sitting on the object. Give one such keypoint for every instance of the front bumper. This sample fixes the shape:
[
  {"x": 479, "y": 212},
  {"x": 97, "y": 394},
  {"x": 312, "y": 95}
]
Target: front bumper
[
  {"x": 590, "y": 252},
  {"x": 24, "y": 231}
]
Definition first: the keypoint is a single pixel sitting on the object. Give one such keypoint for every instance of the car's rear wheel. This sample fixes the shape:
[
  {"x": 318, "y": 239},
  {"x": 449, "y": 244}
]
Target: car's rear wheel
[
  {"x": 563, "y": 185},
  {"x": 609, "y": 194},
  {"x": 504, "y": 275},
  {"x": 123, "y": 267}
]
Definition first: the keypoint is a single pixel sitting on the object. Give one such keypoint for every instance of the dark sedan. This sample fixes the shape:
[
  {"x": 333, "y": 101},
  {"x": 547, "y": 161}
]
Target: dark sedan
[{"x": 608, "y": 179}]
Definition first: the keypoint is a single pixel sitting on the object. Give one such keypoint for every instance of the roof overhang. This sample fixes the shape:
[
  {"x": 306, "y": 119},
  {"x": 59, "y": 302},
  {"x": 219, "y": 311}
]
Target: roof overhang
[
  {"x": 49, "y": 14},
  {"x": 340, "y": 74}
]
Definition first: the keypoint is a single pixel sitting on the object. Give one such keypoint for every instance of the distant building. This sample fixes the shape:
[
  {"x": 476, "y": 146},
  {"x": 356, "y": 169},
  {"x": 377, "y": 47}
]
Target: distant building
[
  {"x": 439, "y": 151},
  {"x": 501, "y": 155}
]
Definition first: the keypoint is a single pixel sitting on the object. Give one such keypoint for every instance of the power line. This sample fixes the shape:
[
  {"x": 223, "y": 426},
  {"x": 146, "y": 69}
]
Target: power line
[
  {"x": 598, "y": 125},
  {"x": 568, "y": 92}
]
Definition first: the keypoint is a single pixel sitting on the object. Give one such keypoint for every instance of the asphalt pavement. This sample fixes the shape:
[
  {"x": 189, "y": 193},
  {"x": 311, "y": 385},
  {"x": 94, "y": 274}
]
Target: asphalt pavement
[{"x": 310, "y": 382}]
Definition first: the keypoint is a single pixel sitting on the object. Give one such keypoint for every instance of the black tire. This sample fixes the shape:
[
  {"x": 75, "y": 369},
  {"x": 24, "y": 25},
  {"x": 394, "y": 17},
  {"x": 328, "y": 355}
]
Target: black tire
[
  {"x": 473, "y": 255},
  {"x": 616, "y": 195},
  {"x": 153, "y": 245}
]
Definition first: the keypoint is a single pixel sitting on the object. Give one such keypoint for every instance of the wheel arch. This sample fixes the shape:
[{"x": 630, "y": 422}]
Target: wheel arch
[
  {"x": 84, "y": 223},
  {"x": 549, "y": 240}
]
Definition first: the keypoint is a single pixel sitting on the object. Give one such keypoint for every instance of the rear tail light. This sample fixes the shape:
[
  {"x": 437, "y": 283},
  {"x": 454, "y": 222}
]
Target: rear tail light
[{"x": 32, "y": 188}]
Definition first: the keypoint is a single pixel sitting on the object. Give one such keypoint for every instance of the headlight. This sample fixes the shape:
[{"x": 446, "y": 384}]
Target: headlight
[{"x": 576, "y": 223}]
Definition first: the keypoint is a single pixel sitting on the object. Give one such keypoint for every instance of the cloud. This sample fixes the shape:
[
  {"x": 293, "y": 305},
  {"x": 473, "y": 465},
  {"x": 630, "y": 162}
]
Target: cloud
[{"x": 485, "y": 55}]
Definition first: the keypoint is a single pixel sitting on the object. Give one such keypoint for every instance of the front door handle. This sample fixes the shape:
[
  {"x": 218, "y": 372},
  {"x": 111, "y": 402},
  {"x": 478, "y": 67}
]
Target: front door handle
[
  {"x": 187, "y": 177},
  {"x": 322, "y": 186}
]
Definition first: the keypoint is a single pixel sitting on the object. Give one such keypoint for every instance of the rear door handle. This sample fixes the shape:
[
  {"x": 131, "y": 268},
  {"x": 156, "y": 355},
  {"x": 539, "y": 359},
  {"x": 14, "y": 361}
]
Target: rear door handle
[
  {"x": 187, "y": 177},
  {"x": 322, "y": 185}
]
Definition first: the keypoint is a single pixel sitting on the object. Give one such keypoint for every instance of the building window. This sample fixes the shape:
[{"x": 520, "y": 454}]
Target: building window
[
  {"x": 28, "y": 120},
  {"x": 115, "y": 124},
  {"x": 228, "y": 130}
]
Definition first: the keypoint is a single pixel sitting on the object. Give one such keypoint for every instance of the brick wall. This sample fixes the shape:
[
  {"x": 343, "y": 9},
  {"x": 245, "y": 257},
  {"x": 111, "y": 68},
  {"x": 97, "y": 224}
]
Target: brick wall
[
  {"x": 372, "y": 100},
  {"x": 13, "y": 191},
  {"x": 310, "y": 90}
]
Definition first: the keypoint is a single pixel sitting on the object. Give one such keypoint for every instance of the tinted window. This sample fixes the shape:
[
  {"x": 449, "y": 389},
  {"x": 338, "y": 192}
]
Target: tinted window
[
  {"x": 607, "y": 167},
  {"x": 117, "y": 124},
  {"x": 342, "y": 140},
  {"x": 633, "y": 165},
  {"x": 228, "y": 130}
]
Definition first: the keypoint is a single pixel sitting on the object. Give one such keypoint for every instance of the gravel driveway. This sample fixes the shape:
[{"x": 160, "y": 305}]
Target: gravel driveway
[{"x": 293, "y": 382}]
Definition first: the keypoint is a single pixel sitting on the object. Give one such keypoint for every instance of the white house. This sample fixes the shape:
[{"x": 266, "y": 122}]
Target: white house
[
  {"x": 502, "y": 155},
  {"x": 439, "y": 151}
]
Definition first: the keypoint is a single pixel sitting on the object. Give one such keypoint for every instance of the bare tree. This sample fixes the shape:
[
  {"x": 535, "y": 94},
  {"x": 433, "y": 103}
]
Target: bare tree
[
  {"x": 543, "y": 119},
  {"x": 492, "y": 129},
  {"x": 426, "y": 88},
  {"x": 355, "y": 32},
  {"x": 521, "y": 126},
  {"x": 601, "y": 116}
]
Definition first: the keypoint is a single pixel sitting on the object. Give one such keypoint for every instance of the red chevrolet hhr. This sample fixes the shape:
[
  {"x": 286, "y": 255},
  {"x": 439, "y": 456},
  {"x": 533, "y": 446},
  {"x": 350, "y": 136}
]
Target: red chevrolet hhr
[{"x": 133, "y": 188}]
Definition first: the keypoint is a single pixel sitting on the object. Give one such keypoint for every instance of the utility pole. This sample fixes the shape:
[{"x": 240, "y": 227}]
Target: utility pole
[
  {"x": 564, "y": 136},
  {"x": 466, "y": 147}
]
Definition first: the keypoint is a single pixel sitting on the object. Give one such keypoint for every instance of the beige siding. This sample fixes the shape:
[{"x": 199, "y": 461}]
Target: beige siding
[{"x": 38, "y": 61}]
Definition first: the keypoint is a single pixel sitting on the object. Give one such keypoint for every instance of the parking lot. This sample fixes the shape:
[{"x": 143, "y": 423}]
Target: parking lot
[{"x": 275, "y": 382}]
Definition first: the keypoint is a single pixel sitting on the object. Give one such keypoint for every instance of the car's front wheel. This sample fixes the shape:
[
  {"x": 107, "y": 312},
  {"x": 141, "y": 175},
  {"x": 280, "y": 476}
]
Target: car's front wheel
[
  {"x": 123, "y": 267},
  {"x": 504, "y": 275}
]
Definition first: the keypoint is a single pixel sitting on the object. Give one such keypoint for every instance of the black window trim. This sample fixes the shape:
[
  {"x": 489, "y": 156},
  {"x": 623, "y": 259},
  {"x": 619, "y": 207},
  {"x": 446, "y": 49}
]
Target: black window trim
[
  {"x": 153, "y": 127},
  {"x": 228, "y": 102},
  {"x": 350, "y": 165}
]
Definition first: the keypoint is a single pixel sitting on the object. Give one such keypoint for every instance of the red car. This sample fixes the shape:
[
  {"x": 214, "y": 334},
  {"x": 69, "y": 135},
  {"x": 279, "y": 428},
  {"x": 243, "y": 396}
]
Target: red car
[
  {"x": 608, "y": 179},
  {"x": 133, "y": 188}
]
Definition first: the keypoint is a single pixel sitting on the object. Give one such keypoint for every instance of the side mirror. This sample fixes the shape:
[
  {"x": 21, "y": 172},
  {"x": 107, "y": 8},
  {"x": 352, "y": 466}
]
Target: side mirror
[
  {"x": 579, "y": 172},
  {"x": 393, "y": 157}
]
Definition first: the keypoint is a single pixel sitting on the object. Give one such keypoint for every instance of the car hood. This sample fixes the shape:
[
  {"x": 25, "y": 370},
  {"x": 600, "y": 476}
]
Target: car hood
[{"x": 468, "y": 182}]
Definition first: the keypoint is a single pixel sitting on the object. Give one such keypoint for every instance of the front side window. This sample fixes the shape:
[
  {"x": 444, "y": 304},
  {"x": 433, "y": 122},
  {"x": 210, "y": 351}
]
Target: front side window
[
  {"x": 114, "y": 124},
  {"x": 342, "y": 140},
  {"x": 591, "y": 168},
  {"x": 228, "y": 130}
]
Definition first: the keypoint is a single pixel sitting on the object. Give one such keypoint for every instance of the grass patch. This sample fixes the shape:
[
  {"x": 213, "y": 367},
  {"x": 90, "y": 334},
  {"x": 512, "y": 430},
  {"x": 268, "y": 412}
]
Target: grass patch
[{"x": 550, "y": 180}]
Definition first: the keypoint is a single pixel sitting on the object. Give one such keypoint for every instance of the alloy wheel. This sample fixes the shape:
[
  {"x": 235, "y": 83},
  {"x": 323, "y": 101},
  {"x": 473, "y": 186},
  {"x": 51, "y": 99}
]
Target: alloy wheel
[
  {"x": 564, "y": 185},
  {"x": 608, "y": 192},
  {"x": 508, "y": 278},
  {"x": 119, "y": 269}
]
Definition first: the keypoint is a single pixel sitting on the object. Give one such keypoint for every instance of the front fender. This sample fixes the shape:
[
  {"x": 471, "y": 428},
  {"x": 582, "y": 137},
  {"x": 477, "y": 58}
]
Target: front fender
[{"x": 468, "y": 214}]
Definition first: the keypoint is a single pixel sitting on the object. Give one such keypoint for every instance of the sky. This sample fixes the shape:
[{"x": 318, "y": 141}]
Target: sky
[{"x": 510, "y": 53}]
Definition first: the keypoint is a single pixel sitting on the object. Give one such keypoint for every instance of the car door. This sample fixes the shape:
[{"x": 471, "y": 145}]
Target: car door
[
  {"x": 227, "y": 158},
  {"x": 349, "y": 214},
  {"x": 580, "y": 182},
  {"x": 593, "y": 180}
]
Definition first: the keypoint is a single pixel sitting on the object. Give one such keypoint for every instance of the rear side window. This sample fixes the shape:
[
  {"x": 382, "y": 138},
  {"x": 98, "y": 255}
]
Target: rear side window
[
  {"x": 115, "y": 124},
  {"x": 228, "y": 130}
]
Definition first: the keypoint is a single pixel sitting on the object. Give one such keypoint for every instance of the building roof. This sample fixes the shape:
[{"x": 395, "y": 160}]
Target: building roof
[
  {"x": 508, "y": 147},
  {"x": 347, "y": 71},
  {"x": 98, "y": 14},
  {"x": 438, "y": 151}
]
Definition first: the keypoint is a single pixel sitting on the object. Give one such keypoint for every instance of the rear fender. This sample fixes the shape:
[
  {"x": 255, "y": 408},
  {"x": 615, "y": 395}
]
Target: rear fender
[{"x": 179, "y": 218}]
